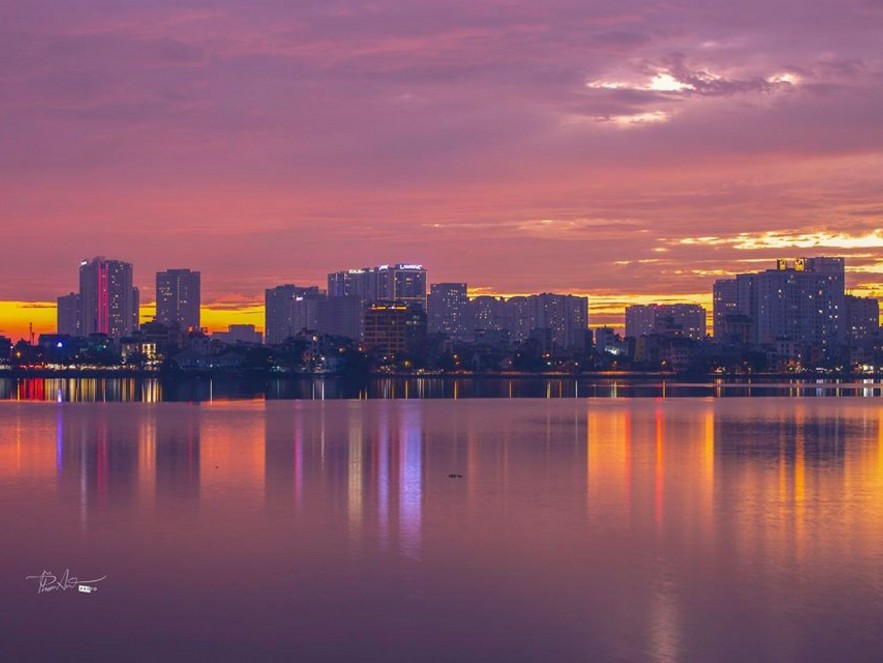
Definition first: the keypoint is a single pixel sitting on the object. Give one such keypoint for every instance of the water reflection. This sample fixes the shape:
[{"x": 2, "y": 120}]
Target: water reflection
[
  {"x": 153, "y": 390},
  {"x": 698, "y": 529}
]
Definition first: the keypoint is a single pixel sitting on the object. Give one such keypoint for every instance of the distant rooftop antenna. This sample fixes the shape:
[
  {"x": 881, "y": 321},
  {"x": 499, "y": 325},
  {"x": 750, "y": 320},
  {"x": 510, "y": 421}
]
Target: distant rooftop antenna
[{"x": 31, "y": 331}]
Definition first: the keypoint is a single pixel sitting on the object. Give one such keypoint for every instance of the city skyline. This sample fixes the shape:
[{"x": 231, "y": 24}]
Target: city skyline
[
  {"x": 630, "y": 153},
  {"x": 601, "y": 314}
]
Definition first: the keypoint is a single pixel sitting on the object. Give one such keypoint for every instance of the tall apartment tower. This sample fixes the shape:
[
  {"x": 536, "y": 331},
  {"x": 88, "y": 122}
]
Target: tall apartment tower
[
  {"x": 68, "y": 312},
  {"x": 108, "y": 302},
  {"x": 802, "y": 301},
  {"x": 283, "y": 317},
  {"x": 178, "y": 297},
  {"x": 448, "y": 310},
  {"x": 566, "y": 317},
  {"x": 862, "y": 319},
  {"x": 401, "y": 282}
]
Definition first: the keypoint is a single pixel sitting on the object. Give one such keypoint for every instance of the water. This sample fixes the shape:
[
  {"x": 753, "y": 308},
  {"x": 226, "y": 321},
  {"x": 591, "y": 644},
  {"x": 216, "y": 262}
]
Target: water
[
  {"x": 190, "y": 389},
  {"x": 691, "y": 529}
]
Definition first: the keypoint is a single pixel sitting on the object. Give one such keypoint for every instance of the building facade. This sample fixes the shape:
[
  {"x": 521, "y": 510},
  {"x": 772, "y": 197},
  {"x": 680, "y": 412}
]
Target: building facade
[
  {"x": 108, "y": 301},
  {"x": 394, "y": 328},
  {"x": 676, "y": 320},
  {"x": 401, "y": 282},
  {"x": 801, "y": 301},
  {"x": 862, "y": 319},
  {"x": 280, "y": 319},
  {"x": 68, "y": 315},
  {"x": 448, "y": 310},
  {"x": 178, "y": 297}
]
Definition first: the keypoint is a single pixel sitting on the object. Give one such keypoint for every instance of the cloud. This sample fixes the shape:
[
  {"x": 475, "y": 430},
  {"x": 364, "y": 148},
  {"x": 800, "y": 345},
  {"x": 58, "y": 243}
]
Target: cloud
[
  {"x": 519, "y": 146},
  {"x": 777, "y": 240}
]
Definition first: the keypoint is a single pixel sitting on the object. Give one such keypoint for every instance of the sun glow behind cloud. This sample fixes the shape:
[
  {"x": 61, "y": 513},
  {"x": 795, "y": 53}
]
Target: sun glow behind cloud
[{"x": 779, "y": 240}]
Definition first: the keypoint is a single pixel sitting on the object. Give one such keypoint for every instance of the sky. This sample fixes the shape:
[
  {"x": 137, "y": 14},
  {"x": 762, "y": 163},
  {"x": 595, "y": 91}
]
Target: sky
[{"x": 630, "y": 151}]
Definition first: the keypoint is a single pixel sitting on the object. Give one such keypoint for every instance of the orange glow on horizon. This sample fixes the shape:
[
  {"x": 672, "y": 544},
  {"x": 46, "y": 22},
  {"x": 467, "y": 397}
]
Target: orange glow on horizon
[{"x": 605, "y": 310}]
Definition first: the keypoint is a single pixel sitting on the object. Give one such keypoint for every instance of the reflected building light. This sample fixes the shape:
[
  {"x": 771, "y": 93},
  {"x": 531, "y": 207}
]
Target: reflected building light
[
  {"x": 101, "y": 469},
  {"x": 383, "y": 460},
  {"x": 354, "y": 473},
  {"x": 608, "y": 464},
  {"x": 322, "y": 437},
  {"x": 665, "y": 640},
  {"x": 410, "y": 480},
  {"x": 84, "y": 482},
  {"x": 59, "y": 440},
  {"x": 799, "y": 481},
  {"x": 147, "y": 458},
  {"x": 298, "y": 456},
  {"x": 151, "y": 391},
  {"x": 660, "y": 467},
  {"x": 707, "y": 487}
]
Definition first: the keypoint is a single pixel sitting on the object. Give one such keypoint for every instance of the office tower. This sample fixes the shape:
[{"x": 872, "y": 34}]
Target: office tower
[
  {"x": 360, "y": 283},
  {"x": 68, "y": 315},
  {"x": 108, "y": 302},
  {"x": 862, "y": 318},
  {"x": 178, "y": 297},
  {"x": 279, "y": 312},
  {"x": 401, "y": 282},
  {"x": 683, "y": 320},
  {"x": 394, "y": 328},
  {"x": 448, "y": 310}
]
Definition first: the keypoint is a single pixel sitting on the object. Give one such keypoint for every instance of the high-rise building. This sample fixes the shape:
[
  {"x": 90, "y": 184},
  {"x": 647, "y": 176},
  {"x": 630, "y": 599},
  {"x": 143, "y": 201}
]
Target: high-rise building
[
  {"x": 683, "y": 320},
  {"x": 799, "y": 302},
  {"x": 178, "y": 297},
  {"x": 280, "y": 320},
  {"x": 342, "y": 316},
  {"x": 68, "y": 315},
  {"x": 393, "y": 328},
  {"x": 306, "y": 311},
  {"x": 803, "y": 303},
  {"x": 401, "y": 282},
  {"x": 108, "y": 302},
  {"x": 561, "y": 321},
  {"x": 862, "y": 318},
  {"x": 520, "y": 317},
  {"x": 487, "y": 313},
  {"x": 724, "y": 304},
  {"x": 566, "y": 317},
  {"x": 448, "y": 310}
]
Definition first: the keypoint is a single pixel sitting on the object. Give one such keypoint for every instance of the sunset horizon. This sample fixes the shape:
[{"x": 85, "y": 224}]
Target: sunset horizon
[{"x": 625, "y": 152}]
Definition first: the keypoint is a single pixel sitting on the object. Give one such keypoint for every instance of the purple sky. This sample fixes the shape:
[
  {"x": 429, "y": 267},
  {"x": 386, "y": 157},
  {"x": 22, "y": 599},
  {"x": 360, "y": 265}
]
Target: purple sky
[{"x": 614, "y": 148}]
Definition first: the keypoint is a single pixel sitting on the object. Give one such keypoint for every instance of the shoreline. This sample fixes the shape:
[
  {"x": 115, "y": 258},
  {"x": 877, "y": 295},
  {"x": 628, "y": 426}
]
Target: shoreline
[{"x": 118, "y": 373}]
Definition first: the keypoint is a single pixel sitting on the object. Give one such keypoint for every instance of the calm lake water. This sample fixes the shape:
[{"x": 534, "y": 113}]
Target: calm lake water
[
  {"x": 689, "y": 529},
  {"x": 153, "y": 390}
]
